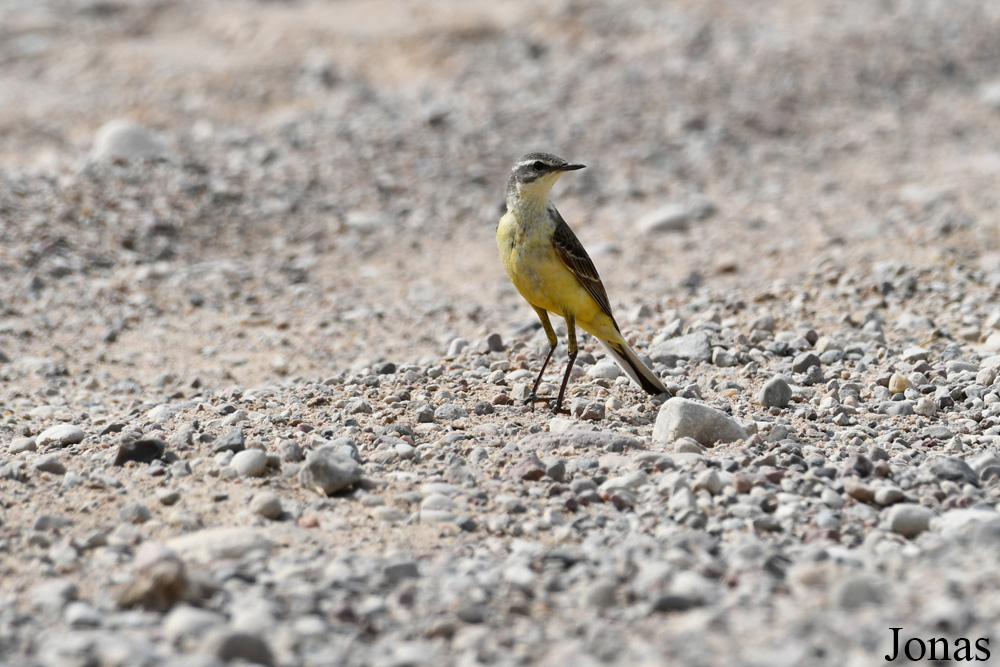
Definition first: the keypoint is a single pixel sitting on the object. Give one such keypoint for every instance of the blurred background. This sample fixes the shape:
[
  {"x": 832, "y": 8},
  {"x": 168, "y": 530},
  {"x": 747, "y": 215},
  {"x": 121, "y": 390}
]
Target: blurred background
[{"x": 307, "y": 186}]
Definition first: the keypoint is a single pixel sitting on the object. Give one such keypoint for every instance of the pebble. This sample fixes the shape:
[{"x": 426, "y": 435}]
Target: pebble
[
  {"x": 60, "y": 436},
  {"x": 142, "y": 451},
  {"x": 18, "y": 445},
  {"x": 50, "y": 464},
  {"x": 695, "y": 346},
  {"x": 329, "y": 470},
  {"x": 804, "y": 361},
  {"x": 184, "y": 623},
  {"x": 121, "y": 138},
  {"x": 775, "y": 393},
  {"x": 684, "y": 418},
  {"x": 267, "y": 505},
  {"x": 216, "y": 543},
  {"x": 909, "y": 519},
  {"x": 250, "y": 462},
  {"x": 668, "y": 218},
  {"x": 232, "y": 441},
  {"x": 135, "y": 512},
  {"x": 450, "y": 411}
]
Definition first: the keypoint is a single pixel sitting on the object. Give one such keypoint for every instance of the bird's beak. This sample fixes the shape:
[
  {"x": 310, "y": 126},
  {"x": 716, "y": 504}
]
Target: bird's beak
[{"x": 572, "y": 166}]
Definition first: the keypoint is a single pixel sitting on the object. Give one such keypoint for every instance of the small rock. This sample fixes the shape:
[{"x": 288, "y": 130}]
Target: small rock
[
  {"x": 450, "y": 411},
  {"x": 187, "y": 622},
  {"x": 804, "y": 361},
  {"x": 60, "y": 436},
  {"x": 250, "y": 462},
  {"x": 218, "y": 543},
  {"x": 491, "y": 343},
  {"x": 889, "y": 495},
  {"x": 50, "y": 464},
  {"x": 775, "y": 393},
  {"x": 125, "y": 139},
  {"x": 857, "y": 590},
  {"x": 160, "y": 580},
  {"x": 18, "y": 445},
  {"x": 233, "y": 441},
  {"x": 909, "y": 519},
  {"x": 581, "y": 408},
  {"x": 723, "y": 358},
  {"x": 135, "y": 512},
  {"x": 692, "y": 346},
  {"x": 142, "y": 451},
  {"x": 531, "y": 469},
  {"x": 956, "y": 470},
  {"x": 53, "y": 595},
  {"x": 81, "y": 615},
  {"x": 681, "y": 417},
  {"x": 267, "y": 505},
  {"x": 329, "y": 470},
  {"x": 668, "y": 218},
  {"x": 229, "y": 645},
  {"x": 290, "y": 451}
]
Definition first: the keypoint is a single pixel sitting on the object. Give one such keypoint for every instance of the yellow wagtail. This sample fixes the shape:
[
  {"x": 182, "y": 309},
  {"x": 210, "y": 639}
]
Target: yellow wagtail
[{"x": 550, "y": 268}]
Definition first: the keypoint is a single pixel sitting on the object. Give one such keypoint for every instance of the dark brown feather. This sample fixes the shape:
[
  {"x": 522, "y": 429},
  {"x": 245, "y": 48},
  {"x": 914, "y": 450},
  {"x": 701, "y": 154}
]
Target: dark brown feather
[{"x": 575, "y": 257}]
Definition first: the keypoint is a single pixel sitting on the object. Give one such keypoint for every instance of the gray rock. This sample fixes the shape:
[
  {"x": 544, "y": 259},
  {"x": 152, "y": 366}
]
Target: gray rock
[
  {"x": 668, "y": 218},
  {"x": 909, "y": 519},
  {"x": 217, "y": 543},
  {"x": 233, "y": 441},
  {"x": 694, "y": 346},
  {"x": 964, "y": 523},
  {"x": 683, "y": 418},
  {"x": 60, "y": 436},
  {"x": 81, "y": 615},
  {"x": 250, "y": 462},
  {"x": 18, "y": 445},
  {"x": 358, "y": 406},
  {"x": 804, "y": 361},
  {"x": 229, "y": 645},
  {"x": 329, "y": 470},
  {"x": 186, "y": 622},
  {"x": 50, "y": 464},
  {"x": 956, "y": 470},
  {"x": 122, "y": 138},
  {"x": 450, "y": 411},
  {"x": 53, "y": 595},
  {"x": 267, "y": 505},
  {"x": 856, "y": 590},
  {"x": 135, "y": 512},
  {"x": 723, "y": 358},
  {"x": 896, "y": 408},
  {"x": 775, "y": 393},
  {"x": 587, "y": 440},
  {"x": 889, "y": 495}
]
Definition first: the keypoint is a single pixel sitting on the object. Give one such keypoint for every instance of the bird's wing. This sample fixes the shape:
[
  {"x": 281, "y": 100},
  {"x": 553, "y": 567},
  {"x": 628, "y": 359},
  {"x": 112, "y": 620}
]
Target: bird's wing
[{"x": 576, "y": 259}]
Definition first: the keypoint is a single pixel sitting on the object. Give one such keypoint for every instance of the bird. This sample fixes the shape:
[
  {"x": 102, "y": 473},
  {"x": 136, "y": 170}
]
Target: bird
[{"x": 550, "y": 268}]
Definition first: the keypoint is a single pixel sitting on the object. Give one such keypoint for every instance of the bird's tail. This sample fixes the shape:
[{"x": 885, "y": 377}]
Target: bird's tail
[{"x": 629, "y": 361}]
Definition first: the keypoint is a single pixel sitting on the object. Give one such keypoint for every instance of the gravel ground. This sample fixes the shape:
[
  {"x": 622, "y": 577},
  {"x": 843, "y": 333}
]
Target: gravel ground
[{"x": 262, "y": 375}]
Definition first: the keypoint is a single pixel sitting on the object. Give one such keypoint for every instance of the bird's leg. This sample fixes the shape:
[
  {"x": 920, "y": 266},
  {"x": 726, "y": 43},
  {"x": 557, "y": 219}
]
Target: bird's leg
[
  {"x": 571, "y": 333},
  {"x": 553, "y": 342}
]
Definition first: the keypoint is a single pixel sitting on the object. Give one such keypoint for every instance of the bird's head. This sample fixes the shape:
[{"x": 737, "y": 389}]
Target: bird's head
[{"x": 534, "y": 174}]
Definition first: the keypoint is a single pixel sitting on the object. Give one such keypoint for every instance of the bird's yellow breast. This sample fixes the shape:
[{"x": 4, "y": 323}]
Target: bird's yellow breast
[{"x": 534, "y": 267}]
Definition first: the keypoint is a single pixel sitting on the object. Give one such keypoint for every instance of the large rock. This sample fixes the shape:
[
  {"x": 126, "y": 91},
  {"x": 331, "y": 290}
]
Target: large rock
[
  {"x": 329, "y": 470},
  {"x": 683, "y": 418}
]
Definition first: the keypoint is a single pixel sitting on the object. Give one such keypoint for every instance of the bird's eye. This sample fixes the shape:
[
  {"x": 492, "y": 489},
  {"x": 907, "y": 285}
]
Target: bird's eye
[{"x": 539, "y": 165}]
